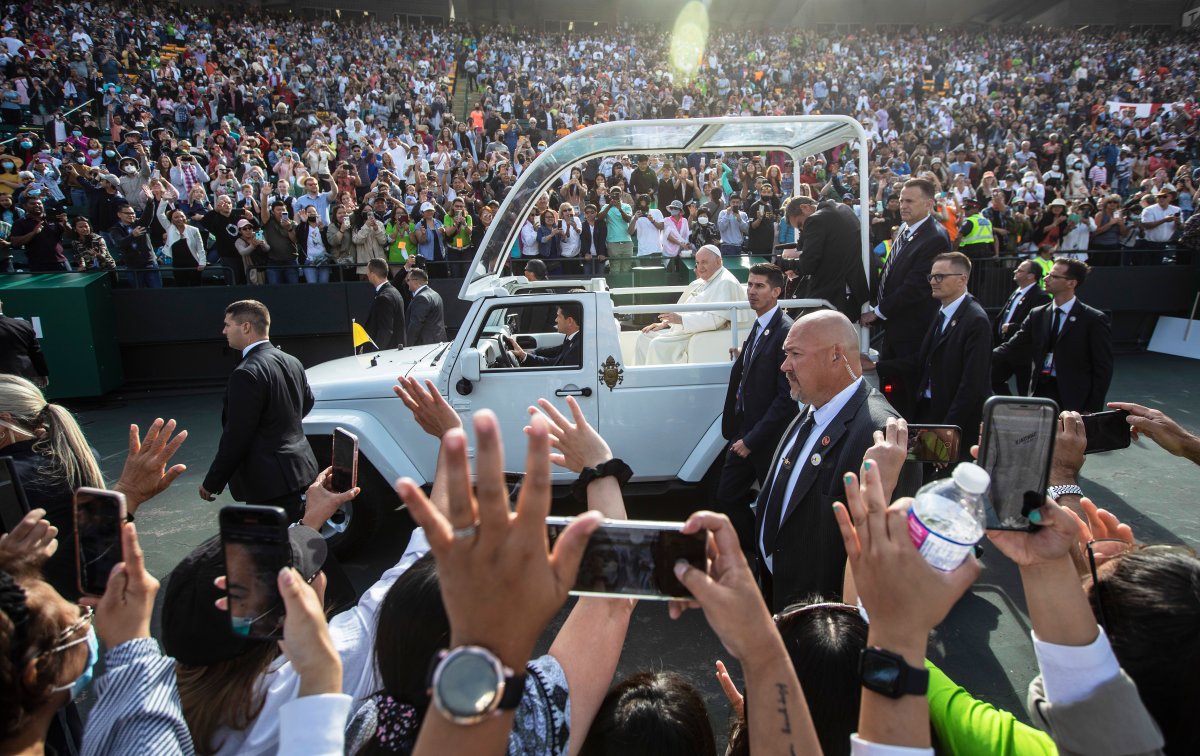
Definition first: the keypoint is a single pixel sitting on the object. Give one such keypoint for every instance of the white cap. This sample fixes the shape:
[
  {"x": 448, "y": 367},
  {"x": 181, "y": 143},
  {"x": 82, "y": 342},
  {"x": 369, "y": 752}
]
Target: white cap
[
  {"x": 426, "y": 206},
  {"x": 971, "y": 478}
]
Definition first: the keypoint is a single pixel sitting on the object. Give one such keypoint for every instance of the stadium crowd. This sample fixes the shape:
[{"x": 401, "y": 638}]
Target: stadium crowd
[{"x": 235, "y": 125}]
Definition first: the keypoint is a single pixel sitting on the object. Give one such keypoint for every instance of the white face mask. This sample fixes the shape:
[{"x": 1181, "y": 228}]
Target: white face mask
[{"x": 702, "y": 220}]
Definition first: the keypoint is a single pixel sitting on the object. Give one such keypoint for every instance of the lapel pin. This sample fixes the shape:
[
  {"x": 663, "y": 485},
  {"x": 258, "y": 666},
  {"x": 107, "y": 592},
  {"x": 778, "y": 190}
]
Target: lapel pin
[
  {"x": 825, "y": 441},
  {"x": 1072, "y": 318},
  {"x": 815, "y": 460},
  {"x": 953, "y": 323},
  {"x": 787, "y": 462}
]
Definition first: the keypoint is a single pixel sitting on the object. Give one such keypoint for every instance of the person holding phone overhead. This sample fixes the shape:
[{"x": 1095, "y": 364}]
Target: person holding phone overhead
[
  {"x": 1069, "y": 344},
  {"x": 263, "y": 455}
]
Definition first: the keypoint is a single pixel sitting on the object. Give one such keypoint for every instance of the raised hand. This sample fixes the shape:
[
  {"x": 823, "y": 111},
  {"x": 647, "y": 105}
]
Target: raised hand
[
  {"x": 32, "y": 541},
  {"x": 429, "y": 408},
  {"x": 578, "y": 443},
  {"x": 145, "y": 474}
]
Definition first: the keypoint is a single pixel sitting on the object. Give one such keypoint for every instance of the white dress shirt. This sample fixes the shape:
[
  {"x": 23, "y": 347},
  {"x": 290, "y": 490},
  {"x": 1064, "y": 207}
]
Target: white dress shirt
[
  {"x": 949, "y": 310},
  {"x": 246, "y": 351},
  {"x": 763, "y": 321},
  {"x": 1016, "y": 302},
  {"x": 822, "y": 417}
]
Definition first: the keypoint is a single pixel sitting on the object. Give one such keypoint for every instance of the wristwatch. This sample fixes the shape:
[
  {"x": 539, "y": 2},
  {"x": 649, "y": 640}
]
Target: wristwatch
[
  {"x": 1055, "y": 492},
  {"x": 470, "y": 684},
  {"x": 613, "y": 467},
  {"x": 888, "y": 674}
]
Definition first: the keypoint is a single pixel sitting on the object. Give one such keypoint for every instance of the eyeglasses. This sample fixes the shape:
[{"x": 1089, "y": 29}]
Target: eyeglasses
[
  {"x": 87, "y": 614},
  {"x": 939, "y": 277},
  {"x": 1053, "y": 275}
]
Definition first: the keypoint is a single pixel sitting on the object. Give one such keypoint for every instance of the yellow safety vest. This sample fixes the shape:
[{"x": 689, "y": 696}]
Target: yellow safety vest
[
  {"x": 980, "y": 233},
  {"x": 1047, "y": 266}
]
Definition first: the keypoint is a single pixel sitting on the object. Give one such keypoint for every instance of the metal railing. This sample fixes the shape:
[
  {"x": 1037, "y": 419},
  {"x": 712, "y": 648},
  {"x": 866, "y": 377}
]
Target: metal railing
[{"x": 730, "y": 307}]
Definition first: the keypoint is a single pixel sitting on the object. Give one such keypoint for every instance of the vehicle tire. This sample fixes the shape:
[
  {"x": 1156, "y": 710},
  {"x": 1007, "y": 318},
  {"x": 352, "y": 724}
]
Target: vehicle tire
[{"x": 352, "y": 526}]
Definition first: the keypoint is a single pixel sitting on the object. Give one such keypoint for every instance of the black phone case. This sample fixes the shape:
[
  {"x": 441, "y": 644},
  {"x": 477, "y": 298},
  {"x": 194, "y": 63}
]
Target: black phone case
[{"x": 1033, "y": 498}]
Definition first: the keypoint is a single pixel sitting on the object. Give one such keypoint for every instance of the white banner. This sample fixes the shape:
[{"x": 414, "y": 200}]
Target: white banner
[
  {"x": 1191, "y": 17},
  {"x": 1136, "y": 109}
]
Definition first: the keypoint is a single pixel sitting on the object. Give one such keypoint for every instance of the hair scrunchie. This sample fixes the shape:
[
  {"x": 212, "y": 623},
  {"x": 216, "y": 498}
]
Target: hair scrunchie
[{"x": 396, "y": 725}]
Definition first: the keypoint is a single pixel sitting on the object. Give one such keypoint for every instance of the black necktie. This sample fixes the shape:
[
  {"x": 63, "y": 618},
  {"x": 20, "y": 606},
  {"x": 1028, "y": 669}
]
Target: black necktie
[
  {"x": 1009, "y": 306},
  {"x": 749, "y": 352},
  {"x": 1050, "y": 342},
  {"x": 783, "y": 473}
]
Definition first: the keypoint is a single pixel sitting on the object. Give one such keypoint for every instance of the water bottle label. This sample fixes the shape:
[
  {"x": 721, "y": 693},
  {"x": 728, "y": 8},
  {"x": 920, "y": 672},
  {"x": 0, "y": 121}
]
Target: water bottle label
[{"x": 939, "y": 552}]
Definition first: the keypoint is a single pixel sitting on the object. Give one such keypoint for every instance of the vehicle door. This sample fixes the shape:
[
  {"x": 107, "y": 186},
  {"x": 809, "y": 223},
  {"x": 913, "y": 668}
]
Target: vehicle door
[{"x": 510, "y": 390}]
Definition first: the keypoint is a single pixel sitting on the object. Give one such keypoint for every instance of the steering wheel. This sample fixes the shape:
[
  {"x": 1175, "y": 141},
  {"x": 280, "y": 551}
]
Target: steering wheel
[{"x": 507, "y": 358}]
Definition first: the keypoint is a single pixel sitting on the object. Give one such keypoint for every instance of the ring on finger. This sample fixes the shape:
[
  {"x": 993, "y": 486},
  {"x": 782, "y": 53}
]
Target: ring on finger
[{"x": 467, "y": 532}]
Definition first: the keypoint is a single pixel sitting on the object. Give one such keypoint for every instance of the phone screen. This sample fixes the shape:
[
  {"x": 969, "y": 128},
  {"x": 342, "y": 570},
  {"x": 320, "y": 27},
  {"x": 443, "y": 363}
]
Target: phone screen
[
  {"x": 98, "y": 518},
  {"x": 1016, "y": 448},
  {"x": 1106, "y": 431},
  {"x": 634, "y": 559},
  {"x": 256, "y": 548},
  {"x": 345, "y": 461},
  {"x": 933, "y": 444},
  {"x": 13, "y": 506}
]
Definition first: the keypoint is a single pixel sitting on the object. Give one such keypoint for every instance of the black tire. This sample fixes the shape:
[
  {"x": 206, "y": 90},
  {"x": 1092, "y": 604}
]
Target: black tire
[{"x": 351, "y": 527}]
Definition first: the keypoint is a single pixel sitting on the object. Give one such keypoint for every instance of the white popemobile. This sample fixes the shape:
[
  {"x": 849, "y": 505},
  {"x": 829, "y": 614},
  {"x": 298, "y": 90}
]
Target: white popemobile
[{"x": 663, "y": 420}]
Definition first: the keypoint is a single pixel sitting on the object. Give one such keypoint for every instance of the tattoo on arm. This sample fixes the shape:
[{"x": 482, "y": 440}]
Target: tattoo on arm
[{"x": 783, "y": 708}]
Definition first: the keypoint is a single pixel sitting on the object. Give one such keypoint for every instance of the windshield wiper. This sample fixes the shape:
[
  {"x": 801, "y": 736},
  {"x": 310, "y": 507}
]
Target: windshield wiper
[{"x": 438, "y": 356}]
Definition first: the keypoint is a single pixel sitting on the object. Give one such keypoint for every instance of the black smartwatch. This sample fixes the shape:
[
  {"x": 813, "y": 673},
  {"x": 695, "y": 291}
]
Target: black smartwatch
[
  {"x": 469, "y": 684},
  {"x": 614, "y": 467},
  {"x": 889, "y": 675}
]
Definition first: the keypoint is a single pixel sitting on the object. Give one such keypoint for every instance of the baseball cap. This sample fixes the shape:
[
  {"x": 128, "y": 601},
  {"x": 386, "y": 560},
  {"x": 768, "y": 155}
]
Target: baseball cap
[
  {"x": 243, "y": 223},
  {"x": 426, "y": 206},
  {"x": 110, "y": 179},
  {"x": 194, "y": 630}
]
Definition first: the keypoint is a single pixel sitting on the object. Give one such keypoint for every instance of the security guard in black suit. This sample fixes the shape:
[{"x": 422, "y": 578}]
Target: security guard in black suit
[
  {"x": 20, "y": 352},
  {"x": 1070, "y": 344},
  {"x": 263, "y": 455},
  {"x": 1028, "y": 294},
  {"x": 568, "y": 322},
  {"x": 758, "y": 402},
  {"x": 385, "y": 321}
]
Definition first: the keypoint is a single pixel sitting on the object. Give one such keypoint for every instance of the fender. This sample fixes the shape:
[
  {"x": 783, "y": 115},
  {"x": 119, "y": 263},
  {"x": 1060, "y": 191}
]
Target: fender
[
  {"x": 375, "y": 442},
  {"x": 707, "y": 450}
]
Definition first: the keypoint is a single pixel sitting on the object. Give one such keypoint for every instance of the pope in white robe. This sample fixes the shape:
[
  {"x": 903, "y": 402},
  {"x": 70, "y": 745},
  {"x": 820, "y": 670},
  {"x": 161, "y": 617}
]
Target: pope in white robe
[{"x": 666, "y": 342}]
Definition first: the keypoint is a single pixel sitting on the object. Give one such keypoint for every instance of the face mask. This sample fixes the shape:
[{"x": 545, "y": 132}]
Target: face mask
[
  {"x": 85, "y": 679},
  {"x": 241, "y": 625},
  {"x": 80, "y": 158},
  {"x": 109, "y": 153},
  {"x": 130, "y": 169},
  {"x": 702, "y": 220},
  {"x": 8, "y": 166},
  {"x": 77, "y": 133},
  {"x": 26, "y": 145}
]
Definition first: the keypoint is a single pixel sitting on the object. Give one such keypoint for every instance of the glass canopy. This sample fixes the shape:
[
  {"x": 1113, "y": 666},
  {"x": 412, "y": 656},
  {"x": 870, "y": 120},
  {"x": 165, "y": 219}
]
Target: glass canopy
[{"x": 800, "y": 136}]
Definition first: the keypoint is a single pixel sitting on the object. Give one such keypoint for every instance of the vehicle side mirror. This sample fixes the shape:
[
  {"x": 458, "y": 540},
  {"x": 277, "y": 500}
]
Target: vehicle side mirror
[{"x": 472, "y": 363}]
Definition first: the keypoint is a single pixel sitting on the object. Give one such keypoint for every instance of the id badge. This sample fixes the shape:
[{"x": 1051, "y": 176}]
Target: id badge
[{"x": 1048, "y": 364}]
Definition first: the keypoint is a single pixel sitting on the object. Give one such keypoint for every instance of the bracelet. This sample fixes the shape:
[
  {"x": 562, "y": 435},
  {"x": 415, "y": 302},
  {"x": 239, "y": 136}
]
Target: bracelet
[
  {"x": 613, "y": 467},
  {"x": 1056, "y": 492}
]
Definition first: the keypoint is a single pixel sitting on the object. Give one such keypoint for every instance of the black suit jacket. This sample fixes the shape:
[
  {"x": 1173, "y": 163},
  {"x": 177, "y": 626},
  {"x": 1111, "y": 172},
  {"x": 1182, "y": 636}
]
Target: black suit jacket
[
  {"x": 1083, "y": 357},
  {"x": 20, "y": 352},
  {"x": 957, "y": 362},
  {"x": 263, "y": 453},
  {"x": 601, "y": 234},
  {"x": 425, "y": 323},
  {"x": 831, "y": 245},
  {"x": 767, "y": 405},
  {"x": 904, "y": 296},
  {"x": 809, "y": 557},
  {"x": 385, "y": 321},
  {"x": 1035, "y": 297},
  {"x": 567, "y": 354}
]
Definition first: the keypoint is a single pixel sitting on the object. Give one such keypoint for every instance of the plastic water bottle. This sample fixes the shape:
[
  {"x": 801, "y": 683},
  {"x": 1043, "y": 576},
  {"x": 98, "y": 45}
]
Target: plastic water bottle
[{"x": 948, "y": 516}]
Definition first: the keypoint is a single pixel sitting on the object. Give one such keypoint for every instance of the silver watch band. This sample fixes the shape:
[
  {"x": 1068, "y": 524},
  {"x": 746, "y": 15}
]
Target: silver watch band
[{"x": 1056, "y": 492}]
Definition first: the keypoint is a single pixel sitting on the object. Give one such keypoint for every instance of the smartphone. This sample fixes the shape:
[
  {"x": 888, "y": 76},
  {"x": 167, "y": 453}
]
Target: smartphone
[
  {"x": 345, "y": 461},
  {"x": 634, "y": 558},
  {"x": 1016, "y": 448},
  {"x": 283, "y": 215},
  {"x": 13, "y": 504},
  {"x": 1106, "y": 431},
  {"x": 258, "y": 235},
  {"x": 98, "y": 518},
  {"x": 933, "y": 444},
  {"x": 254, "y": 540}
]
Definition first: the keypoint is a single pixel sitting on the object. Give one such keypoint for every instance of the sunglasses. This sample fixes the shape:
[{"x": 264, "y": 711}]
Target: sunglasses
[{"x": 86, "y": 616}]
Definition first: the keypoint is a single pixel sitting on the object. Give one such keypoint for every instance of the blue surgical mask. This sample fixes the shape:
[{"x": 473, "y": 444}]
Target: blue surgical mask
[
  {"x": 26, "y": 145},
  {"x": 241, "y": 625},
  {"x": 85, "y": 678}
]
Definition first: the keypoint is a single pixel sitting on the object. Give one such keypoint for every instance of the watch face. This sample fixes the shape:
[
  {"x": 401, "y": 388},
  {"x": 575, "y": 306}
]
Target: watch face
[
  {"x": 880, "y": 673},
  {"x": 468, "y": 684}
]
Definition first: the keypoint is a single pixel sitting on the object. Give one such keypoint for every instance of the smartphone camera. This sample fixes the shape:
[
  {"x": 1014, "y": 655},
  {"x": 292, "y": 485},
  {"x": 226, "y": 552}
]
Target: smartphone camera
[
  {"x": 933, "y": 444},
  {"x": 345, "y": 461},
  {"x": 255, "y": 544},
  {"x": 634, "y": 559},
  {"x": 98, "y": 518}
]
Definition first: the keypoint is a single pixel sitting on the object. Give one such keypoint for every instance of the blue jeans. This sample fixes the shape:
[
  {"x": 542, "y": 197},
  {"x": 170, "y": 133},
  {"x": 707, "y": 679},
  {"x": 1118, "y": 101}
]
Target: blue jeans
[
  {"x": 145, "y": 278},
  {"x": 289, "y": 274},
  {"x": 314, "y": 274}
]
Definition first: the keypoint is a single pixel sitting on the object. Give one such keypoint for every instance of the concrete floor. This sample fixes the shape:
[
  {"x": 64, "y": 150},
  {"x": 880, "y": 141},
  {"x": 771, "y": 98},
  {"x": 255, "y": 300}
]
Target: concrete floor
[{"x": 984, "y": 644}]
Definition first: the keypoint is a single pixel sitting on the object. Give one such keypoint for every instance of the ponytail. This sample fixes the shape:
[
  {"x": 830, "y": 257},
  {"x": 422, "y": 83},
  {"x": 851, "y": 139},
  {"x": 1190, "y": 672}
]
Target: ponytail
[{"x": 56, "y": 434}]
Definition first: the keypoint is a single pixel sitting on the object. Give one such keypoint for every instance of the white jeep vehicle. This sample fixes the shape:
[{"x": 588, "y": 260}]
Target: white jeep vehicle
[{"x": 663, "y": 420}]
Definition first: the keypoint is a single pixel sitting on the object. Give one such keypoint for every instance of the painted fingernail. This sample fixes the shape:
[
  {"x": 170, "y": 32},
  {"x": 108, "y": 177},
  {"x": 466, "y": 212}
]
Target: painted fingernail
[
  {"x": 867, "y": 465},
  {"x": 849, "y": 478},
  {"x": 1035, "y": 517}
]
